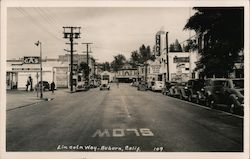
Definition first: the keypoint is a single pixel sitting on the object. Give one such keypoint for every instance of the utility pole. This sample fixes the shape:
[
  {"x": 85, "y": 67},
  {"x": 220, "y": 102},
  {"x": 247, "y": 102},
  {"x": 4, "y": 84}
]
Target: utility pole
[
  {"x": 71, "y": 33},
  {"x": 41, "y": 69},
  {"x": 87, "y": 44},
  {"x": 167, "y": 56}
]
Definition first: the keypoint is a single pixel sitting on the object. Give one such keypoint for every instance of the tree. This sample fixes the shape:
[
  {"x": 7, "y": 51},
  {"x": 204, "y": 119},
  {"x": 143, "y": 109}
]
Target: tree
[
  {"x": 191, "y": 45},
  {"x": 118, "y": 62},
  {"x": 135, "y": 58},
  {"x": 144, "y": 53},
  {"x": 105, "y": 66},
  {"x": 175, "y": 47},
  {"x": 85, "y": 69},
  {"x": 223, "y": 30}
]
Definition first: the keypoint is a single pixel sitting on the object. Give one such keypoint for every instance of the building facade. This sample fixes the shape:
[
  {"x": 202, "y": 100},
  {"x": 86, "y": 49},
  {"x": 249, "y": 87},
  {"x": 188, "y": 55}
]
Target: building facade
[
  {"x": 170, "y": 66},
  {"x": 58, "y": 70},
  {"x": 127, "y": 74}
]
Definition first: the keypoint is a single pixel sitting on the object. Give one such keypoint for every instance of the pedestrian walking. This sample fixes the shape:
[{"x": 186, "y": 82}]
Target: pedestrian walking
[
  {"x": 31, "y": 83},
  {"x": 27, "y": 84},
  {"x": 117, "y": 83},
  {"x": 52, "y": 86}
]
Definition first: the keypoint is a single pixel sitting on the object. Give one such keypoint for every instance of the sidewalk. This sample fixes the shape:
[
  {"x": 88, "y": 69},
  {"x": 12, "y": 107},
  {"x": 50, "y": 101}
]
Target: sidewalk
[{"x": 21, "y": 98}]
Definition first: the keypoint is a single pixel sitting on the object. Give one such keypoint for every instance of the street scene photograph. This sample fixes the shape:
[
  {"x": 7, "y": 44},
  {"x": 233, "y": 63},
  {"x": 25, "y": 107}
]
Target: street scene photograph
[{"x": 125, "y": 79}]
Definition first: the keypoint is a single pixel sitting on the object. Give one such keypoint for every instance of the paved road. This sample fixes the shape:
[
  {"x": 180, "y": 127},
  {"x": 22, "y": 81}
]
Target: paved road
[{"x": 122, "y": 119}]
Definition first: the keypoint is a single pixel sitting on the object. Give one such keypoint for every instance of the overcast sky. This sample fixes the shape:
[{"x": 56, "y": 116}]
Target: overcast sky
[{"x": 112, "y": 30}]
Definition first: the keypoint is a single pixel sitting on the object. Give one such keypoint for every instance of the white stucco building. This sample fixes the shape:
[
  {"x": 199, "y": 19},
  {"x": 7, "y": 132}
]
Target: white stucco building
[{"x": 57, "y": 70}]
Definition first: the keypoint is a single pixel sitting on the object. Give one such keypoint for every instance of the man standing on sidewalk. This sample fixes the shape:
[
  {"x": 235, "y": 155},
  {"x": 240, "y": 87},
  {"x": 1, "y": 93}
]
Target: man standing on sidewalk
[
  {"x": 31, "y": 83},
  {"x": 52, "y": 86},
  {"x": 27, "y": 84}
]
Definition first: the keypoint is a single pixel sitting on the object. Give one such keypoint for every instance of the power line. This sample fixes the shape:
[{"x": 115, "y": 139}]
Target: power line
[
  {"x": 48, "y": 19},
  {"x": 36, "y": 23},
  {"x": 48, "y": 16},
  {"x": 52, "y": 17},
  {"x": 98, "y": 47}
]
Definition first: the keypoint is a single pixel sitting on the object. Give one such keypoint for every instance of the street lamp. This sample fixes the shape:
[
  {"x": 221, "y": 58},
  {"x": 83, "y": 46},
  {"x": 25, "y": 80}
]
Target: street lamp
[{"x": 41, "y": 69}]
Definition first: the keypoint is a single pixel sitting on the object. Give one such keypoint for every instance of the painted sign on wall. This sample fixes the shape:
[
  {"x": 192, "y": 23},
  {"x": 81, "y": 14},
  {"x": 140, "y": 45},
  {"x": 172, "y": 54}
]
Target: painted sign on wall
[{"x": 31, "y": 60}]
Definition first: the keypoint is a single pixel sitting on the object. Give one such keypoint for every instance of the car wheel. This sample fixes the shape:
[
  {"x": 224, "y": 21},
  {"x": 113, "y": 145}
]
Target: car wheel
[
  {"x": 197, "y": 101},
  {"x": 207, "y": 102},
  {"x": 212, "y": 103},
  {"x": 181, "y": 97},
  {"x": 231, "y": 107},
  {"x": 190, "y": 98}
]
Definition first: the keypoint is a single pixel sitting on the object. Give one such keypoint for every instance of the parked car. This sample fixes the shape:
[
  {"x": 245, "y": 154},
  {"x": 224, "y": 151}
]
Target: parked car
[
  {"x": 142, "y": 86},
  {"x": 225, "y": 93},
  {"x": 182, "y": 90},
  {"x": 46, "y": 86},
  {"x": 195, "y": 89},
  {"x": 82, "y": 86},
  {"x": 165, "y": 89},
  {"x": 104, "y": 85},
  {"x": 157, "y": 86},
  {"x": 134, "y": 84},
  {"x": 173, "y": 91}
]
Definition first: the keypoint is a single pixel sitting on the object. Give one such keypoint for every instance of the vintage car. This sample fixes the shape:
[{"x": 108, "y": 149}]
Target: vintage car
[
  {"x": 182, "y": 90},
  {"x": 176, "y": 89},
  {"x": 195, "y": 89},
  {"x": 142, "y": 86},
  {"x": 225, "y": 93},
  {"x": 157, "y": 86},
  {"x": 81, "y": 86},
  {"x": 166, "y": 87},
  {"x": 46, "y": 85},
  {"x": 104, "y": 85}
]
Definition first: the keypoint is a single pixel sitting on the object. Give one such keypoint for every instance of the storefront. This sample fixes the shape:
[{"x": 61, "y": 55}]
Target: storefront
[{"x": 25, "y": 70}]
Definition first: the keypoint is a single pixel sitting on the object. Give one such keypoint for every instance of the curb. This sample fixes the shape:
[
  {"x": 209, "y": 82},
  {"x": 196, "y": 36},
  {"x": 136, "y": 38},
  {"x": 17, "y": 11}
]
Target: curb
[{"x": 41, "y": 100}]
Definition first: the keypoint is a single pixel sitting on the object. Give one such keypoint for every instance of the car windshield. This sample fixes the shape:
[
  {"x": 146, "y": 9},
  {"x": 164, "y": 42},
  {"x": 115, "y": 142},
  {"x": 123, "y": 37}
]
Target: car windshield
[
  {"x": 219, "y": 83},
  {"x": 158, "y": 82},
  {"x": 198, "y": 84},
  {"x": 238, "y": 83}
]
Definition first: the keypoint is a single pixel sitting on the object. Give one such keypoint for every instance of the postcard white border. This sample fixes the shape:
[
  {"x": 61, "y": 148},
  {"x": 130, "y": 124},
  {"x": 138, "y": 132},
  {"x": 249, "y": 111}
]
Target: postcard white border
[{"x": 108, "y": 155}]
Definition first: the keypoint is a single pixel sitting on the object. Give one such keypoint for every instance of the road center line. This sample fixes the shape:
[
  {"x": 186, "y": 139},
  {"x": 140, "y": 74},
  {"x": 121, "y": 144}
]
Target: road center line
[{"x": 125, "y": 106}]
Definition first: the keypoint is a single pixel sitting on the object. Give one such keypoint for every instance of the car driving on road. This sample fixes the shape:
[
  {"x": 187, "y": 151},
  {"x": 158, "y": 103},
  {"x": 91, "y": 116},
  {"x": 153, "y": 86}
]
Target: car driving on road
[{"x": 104, "y": 85}]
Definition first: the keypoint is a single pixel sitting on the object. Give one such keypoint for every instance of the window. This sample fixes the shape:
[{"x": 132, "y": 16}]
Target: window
[
  {"x": 219, "y": 83},
  {"x": 193, "y": 75}
]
